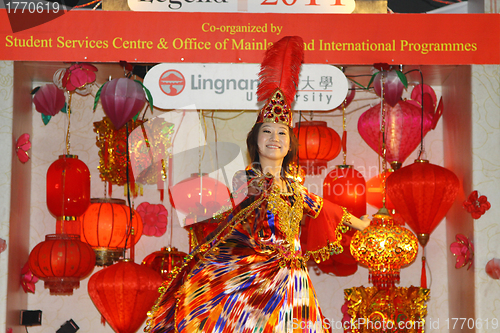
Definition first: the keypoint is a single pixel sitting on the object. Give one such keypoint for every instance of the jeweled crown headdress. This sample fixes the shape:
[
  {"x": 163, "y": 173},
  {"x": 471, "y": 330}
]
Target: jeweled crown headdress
[{"x": 279, "y": 78}]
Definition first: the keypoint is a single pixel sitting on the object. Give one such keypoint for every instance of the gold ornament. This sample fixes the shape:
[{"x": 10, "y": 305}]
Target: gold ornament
[
  {"x": 112, "y": 146},
  {"x": 394, "y": 309}
]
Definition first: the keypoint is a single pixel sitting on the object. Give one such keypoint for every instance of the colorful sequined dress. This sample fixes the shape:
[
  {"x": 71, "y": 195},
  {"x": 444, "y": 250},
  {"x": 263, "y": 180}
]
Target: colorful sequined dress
[{"x": 251, "y": 275}]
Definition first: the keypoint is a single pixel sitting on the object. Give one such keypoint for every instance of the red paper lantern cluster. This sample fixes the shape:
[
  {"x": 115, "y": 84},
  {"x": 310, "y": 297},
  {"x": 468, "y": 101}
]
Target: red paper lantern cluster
[
  {"x": 61, "y": 261},
  {"x": 318, "y": 144},
  {"x": 106, "y": 226}
]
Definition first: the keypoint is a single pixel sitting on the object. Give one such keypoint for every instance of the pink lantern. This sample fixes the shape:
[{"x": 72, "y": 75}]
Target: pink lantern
[
  {"x": 121, "y": 100},
  {"x": 49, "y": 99},
  {"x": 393, "y": 87},
  {"x": 402, "y": 130}
]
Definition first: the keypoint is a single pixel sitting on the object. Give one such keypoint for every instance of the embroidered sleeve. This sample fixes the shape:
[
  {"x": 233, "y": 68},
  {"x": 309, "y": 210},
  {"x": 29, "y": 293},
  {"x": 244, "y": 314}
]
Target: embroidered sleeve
[
  {"x": 324, "y": 235},
  {"x": 312, "y": 203}
]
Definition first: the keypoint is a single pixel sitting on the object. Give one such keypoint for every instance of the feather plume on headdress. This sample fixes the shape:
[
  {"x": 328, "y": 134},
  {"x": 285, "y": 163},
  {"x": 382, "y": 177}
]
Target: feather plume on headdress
[{"x": 279, "y": 78}]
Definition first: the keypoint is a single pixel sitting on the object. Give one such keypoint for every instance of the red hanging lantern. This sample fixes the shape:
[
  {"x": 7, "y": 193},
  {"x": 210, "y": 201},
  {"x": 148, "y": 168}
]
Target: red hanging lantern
[
  {"x": 107, "y": 228},
  {"x": 200, "y": 197},
  {"x": 61, "y": 261},
  {"x": 318, "y": 144},
  {"x": 164, "y": 261},
  {"x": 68, "y": 187},
  {"x": 402, "y": 130},
  {"x": 375, "y": 191},
  {"x": 124, "y": 293},
  {"x": 422, "y": 193},
  {"x": 346, "y": 187},
  {"x": 121, "y": 100}
]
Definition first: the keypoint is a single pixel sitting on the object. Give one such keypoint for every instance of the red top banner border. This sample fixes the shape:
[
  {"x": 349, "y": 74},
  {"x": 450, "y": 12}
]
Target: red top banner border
[{"x": 348, "y": 39}]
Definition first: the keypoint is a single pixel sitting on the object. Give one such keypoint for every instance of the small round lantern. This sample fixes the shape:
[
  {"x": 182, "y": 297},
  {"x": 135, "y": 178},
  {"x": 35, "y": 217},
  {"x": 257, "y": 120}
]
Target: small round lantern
[
  {"x": 318, "y": 144},
  {"x": 200, "y": 197},
  {"x": 68, "y": 187},
  {"x": 346, "y": 187},
  {"x": 384, "y": 248},
  {"x": 107, "y": 228},
  {"x": 61, "y": 261},
  {"x": 164, "y": 261}
]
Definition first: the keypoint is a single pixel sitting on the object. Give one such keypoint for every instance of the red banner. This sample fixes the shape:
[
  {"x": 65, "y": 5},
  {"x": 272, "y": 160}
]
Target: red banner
[{"x": 150, "y": 37}]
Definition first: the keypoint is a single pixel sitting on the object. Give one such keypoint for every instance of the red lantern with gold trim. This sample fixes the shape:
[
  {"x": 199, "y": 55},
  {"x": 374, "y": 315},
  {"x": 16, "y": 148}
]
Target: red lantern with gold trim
[
  {"x": 164, "y": 261},
  {"x": 68, "y": 187},
  {"x": 106, "y": 226},
  {"x": 61, "y": 261},
  {"x": 422, "y": 193},
  {"x": 318, "y": 144}
]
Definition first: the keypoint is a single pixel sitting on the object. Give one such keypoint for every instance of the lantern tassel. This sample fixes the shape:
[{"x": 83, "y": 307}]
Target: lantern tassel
[
  {"x": 132, "y": 246},
  {"x": 103, "y": 320},
  {"x": 423, "y": 278},
  {"x": 110, "y": 189}
]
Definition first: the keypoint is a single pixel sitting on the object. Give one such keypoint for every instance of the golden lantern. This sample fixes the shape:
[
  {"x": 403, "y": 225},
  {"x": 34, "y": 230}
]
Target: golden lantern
[{"x": 384, "y": 248}]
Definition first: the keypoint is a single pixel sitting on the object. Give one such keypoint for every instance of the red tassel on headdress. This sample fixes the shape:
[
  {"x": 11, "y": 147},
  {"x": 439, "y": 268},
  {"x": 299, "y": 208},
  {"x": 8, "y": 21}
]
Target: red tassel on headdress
[{"x": 279, "y": 72}]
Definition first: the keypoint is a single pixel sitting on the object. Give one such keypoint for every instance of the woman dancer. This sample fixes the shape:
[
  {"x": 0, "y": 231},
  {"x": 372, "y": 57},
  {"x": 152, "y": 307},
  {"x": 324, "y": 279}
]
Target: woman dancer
[{"x": 250, "y": 274}]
